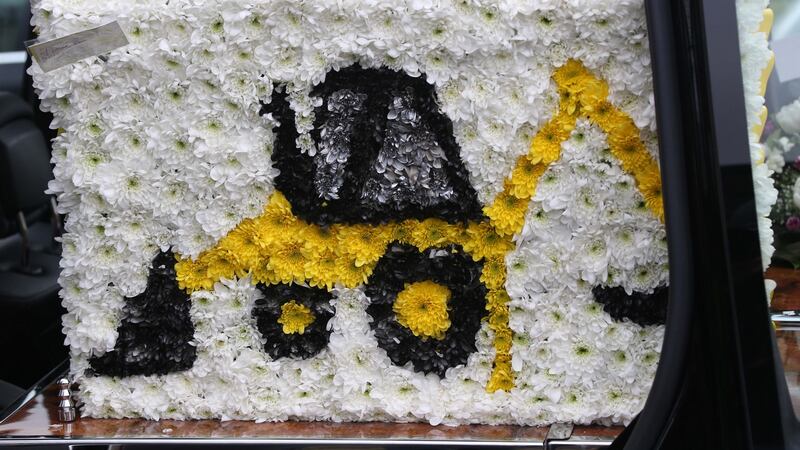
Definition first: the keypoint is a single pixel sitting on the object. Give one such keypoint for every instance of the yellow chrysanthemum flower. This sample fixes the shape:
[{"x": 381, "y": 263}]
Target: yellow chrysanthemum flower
[
  {"x": 501, "y": 380},
  {"x": 592, "y": 93},
  {"x": 620, "y": 123},
  {"x": 319, "y": 237},
  {"x": 497, "y": 298},
  {"x": 568, "y": 103},
  {"x": 630, "y": 151},
  {"x": 422, "y": 308},
  {"x": 524, "y": 178},
  {"x": 649, "y": 182},
  {"x": 571, "y": 74},
  {"x": 220, "y": 263},
  {"x": 366, "y": 243},
  {"x": 243, "y": 244},
  {"x": 546, "y": 145},
  {"x": 503, "y": 338},
  {"x": 288, "y": 261},
  {"x": 401, "y": 232},
  {"x": 321, "y": 270},
  {"x": 579, "y": 88},
  {"x": 502, "y": 375},
  {"x": 507, "y": 213},
  {"x": 494, "y": 272},
  {"x": 564, "y": 124},
  {"x": 484, "y": 241},
  {"x": 603, "y": 115},
  {"x": 498, "y": 319},
  {"x": 295, "y": 317},
  {"x": 263, "y": 274},
  {"x": 192, "y": 275},
  {"x": 433, "y": 233},
  {"x": 277, "y": 220},
  {"x": 350, "y": 274}
]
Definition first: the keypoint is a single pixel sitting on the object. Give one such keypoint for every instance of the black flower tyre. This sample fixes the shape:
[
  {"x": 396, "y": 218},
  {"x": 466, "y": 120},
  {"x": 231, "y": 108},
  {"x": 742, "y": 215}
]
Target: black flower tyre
[
  {"x": 293, "y": 320},
  {"x": 401, "y": 268}
]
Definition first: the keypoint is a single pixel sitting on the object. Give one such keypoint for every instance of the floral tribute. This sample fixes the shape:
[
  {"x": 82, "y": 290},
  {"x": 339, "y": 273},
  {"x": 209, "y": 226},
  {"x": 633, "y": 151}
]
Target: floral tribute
[{"x": 357, "y": 211}]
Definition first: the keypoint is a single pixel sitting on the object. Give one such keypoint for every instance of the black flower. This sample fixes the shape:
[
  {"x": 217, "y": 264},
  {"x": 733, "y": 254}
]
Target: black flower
[{"x": 641, "y": 308}]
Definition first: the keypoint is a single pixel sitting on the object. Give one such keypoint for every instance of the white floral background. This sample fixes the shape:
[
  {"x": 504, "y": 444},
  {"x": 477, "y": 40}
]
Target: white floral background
[{"x": 163, "y": 146}]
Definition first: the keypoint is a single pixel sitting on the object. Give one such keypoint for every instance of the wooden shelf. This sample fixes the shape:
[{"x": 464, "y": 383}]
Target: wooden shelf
[{"x": 787, "y": 294}]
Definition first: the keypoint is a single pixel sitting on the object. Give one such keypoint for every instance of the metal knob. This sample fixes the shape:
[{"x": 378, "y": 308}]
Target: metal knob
[{"x": 66, "y": 406}]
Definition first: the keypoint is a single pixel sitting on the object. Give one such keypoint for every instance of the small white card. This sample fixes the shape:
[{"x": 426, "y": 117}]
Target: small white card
[{"x": 59, "y": 52}]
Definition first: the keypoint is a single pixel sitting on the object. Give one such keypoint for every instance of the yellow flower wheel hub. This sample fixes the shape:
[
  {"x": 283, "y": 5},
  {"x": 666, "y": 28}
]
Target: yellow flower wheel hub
[
  {"x": 422, "y": 308},
  {"x": 295, "y": 317}
]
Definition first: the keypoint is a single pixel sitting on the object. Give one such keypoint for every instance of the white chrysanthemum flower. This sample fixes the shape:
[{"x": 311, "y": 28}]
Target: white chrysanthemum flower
[{"x": 788, "y": 117}]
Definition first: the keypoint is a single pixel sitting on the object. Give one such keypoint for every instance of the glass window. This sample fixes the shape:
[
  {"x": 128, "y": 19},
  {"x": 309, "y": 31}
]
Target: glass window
[
  {"x": 781, "y": 140},
  {"x": 14, "y": 30}
]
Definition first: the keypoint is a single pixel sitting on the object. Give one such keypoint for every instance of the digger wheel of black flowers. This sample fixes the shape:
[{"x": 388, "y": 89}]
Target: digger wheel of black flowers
[
  {"x": 426, "y": 306},
  {"x": 293, "y": 320}
]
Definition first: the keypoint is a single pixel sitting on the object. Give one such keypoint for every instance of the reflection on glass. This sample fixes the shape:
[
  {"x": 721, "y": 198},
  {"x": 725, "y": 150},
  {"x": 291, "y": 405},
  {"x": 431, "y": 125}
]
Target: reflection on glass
[
  {"x": 14, "y": 30},
  {"x": 781, "y": 139},
  {"x": 781, "y": 134}
]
